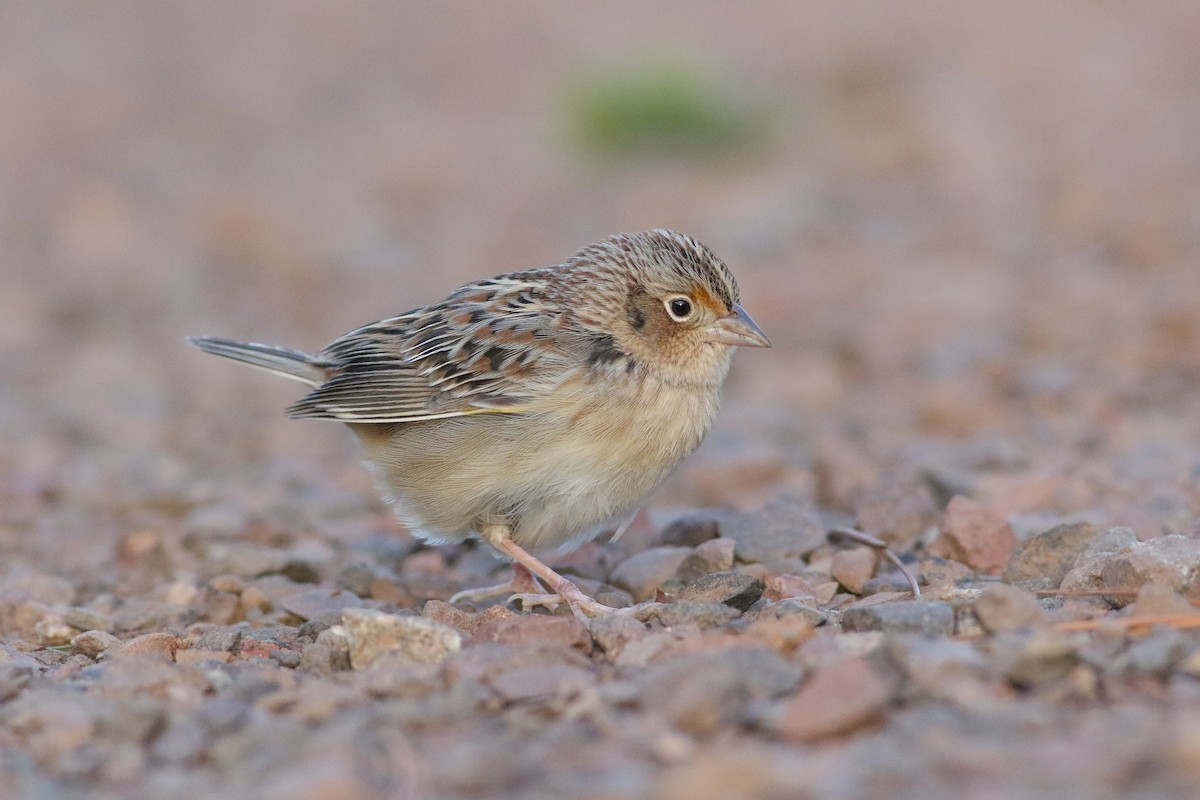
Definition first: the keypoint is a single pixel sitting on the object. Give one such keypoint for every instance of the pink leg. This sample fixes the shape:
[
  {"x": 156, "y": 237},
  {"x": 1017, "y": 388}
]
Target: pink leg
[{"x": 563, "y": 590}]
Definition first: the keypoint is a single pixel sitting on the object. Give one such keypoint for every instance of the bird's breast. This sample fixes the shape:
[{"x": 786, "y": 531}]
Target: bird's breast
[{"x": 645, "y": 426}]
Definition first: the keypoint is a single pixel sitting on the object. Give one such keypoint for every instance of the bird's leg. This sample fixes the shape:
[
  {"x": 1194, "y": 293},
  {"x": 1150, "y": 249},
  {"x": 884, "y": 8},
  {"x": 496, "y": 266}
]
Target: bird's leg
[
  {"x": 522, "y": 582},
  {"x": 498, "y": 536}
]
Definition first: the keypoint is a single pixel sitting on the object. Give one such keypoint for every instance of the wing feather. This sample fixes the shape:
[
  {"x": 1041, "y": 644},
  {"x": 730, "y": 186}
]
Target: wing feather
[{"x": 482, "y": 350}]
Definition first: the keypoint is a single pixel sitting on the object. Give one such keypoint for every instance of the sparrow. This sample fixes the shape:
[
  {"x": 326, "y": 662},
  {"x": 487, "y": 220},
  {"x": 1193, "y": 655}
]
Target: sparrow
[{"x": 528, "y": 408}]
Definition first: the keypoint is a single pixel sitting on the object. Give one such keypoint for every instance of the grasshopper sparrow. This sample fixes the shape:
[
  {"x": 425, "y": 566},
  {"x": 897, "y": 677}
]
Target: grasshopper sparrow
[{"x": 530, "y": 407}]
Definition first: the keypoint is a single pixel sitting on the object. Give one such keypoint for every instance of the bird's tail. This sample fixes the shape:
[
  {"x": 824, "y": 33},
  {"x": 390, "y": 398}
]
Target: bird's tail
[{"x": 280, "y": 360}]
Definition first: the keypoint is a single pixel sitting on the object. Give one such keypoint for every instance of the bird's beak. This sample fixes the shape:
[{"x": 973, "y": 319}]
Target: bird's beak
[{"x": 737, "y": 330}]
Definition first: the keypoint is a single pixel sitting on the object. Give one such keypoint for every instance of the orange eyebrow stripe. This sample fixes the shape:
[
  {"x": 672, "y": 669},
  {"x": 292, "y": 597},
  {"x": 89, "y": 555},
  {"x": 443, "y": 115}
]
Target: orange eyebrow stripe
[{"x": 707, "y": 299}]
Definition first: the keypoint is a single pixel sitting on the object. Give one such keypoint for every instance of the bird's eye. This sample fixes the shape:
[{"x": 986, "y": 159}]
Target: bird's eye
[{"x": 680, "y": 308}]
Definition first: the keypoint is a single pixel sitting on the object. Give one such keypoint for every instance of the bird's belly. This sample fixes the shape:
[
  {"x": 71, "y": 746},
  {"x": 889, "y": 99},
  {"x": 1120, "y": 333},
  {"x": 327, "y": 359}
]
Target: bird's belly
[{"x": 551, "y": 474}]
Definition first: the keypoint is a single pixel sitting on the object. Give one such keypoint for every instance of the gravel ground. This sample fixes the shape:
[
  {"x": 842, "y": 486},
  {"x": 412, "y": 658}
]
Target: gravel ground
[{"x": 972, "y": 231}]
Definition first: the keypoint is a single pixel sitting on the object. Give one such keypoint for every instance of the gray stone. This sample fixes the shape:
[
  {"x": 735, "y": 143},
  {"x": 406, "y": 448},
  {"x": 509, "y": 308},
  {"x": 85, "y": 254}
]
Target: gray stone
[
  {"x": 285, "y": 658},
  {"x": 140, "y": 615},
  {"x": 611, "y": 632},
  {"x": 1001, "y": 607},
  {"x": 219, "y": 638},
  {"x": 936, "y": 572},
  {"x": 789, "y": 607},
  {"x": 700, "y": 691},
  {"x": 41, "y": 586},
  {"x": 542, "y": 683},
  {"x": 11, "y": 655},
  {"x": 612, "y": 597},
  {"x": 887, "y": 582},
  {"x": 321, "y": 659},
  {"x": 183, "y": 742},
  {"x": 735, "y": 589},
  {"x": 642, "y": 574},
  {"x": 282, "y": 635},
  {"x": 1035, "y": 659},
  {"x": 942, "y": 669},
  {"x": 14, "y": 677},
  {"x": 715, "y": 555},
  {"x": 700, "y": 614},
  {"x": 480, "y": 661},
  {"x": 693, "y": 529},
  {"x": 783, "y": 529},
  {"x": 1050, "y": 554},
  {"x": 414, "y": 681},
  {"x": 1111, "y": 541},
  {"x": 93, "y": 643},
  {"x": 535, "y": 630},
  {"x": 311, "y": 629},
  {"x": 301, "y": 569},
  {"x": 1157, "y": 653},
  {"x": 910, "y": 616},
  {"x": 357, "y": 578},
  {"x": 312, "y": 603},
  {"x": 335, "y": 639},
  {"x": 87, "y": 620},
  {"x": 898, "y": 509},
  {"x": 1171, "y": 562}
]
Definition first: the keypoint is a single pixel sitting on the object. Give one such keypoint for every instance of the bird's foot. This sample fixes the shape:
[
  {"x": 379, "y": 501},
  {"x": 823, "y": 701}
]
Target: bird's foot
[
  {"x": 582, "y": 606},
  {"x": 529, "y": 600},
  {"x": 561, "y": 589},
  {"x": 522, "y": 583}
]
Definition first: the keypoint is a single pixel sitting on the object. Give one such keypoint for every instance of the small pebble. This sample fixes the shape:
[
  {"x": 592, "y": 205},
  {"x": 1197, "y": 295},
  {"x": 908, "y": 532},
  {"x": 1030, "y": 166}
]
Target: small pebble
[
  {"x": 853, "y": 567},
  {"x": 976, "y": 535},
  {"x": 1037, "y": 658},
  {"x": 357, "y": 578},
  {"x": 160, "y": 644},
  {"x": 932, "y": 617},
  {"x": 1001, "y": 607},
  {"x": 93, "y": 643},
  {"x": 612, "y": 632},
  {"x": 786, "y": 528},
  {"x": 534, "y": 629},
  {"x": 199, "y": 656},
  {"x": 14, "y": 678},
  {"x": 836, "y": 700},
  {"x": 87, "y": 620},
  {"x": 52, "y": 631},
  {"x": 1050, "y": 554},
  {"x": 714, "y": 555},
  {"x": 699, "y": 613},
  {"x": 315, "y": 602},
  {"x": 643, "y": 574},
  {"x": 734, "y": 589},
  {"x": 374, "y": 636},
  {"x": 694, "y": 529}
]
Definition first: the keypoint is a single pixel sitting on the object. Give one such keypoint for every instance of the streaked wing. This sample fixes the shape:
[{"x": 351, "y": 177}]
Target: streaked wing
[{"x": 472, "y": 353}]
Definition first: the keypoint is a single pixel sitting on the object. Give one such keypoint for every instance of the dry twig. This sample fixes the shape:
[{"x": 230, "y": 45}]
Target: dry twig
[{"x": 838, "y": 535}]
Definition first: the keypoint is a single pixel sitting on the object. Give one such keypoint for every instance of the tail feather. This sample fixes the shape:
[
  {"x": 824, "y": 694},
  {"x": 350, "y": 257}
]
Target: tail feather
[{"x": 280, "y": 360}]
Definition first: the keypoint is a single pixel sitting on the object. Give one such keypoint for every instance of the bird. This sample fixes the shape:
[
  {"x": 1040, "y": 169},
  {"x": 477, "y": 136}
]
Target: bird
[{"x": 529, "y": 408}]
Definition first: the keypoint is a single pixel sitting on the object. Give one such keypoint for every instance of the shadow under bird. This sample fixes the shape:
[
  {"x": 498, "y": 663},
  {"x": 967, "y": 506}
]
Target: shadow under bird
[{"x": 528, "y": 408}]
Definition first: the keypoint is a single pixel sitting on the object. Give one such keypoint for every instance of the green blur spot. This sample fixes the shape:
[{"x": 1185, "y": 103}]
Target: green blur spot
[{"x": 661, "y": 110}]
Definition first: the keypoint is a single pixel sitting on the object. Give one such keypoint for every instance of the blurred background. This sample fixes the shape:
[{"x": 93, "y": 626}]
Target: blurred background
[{"x": 971, "y": 229}]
